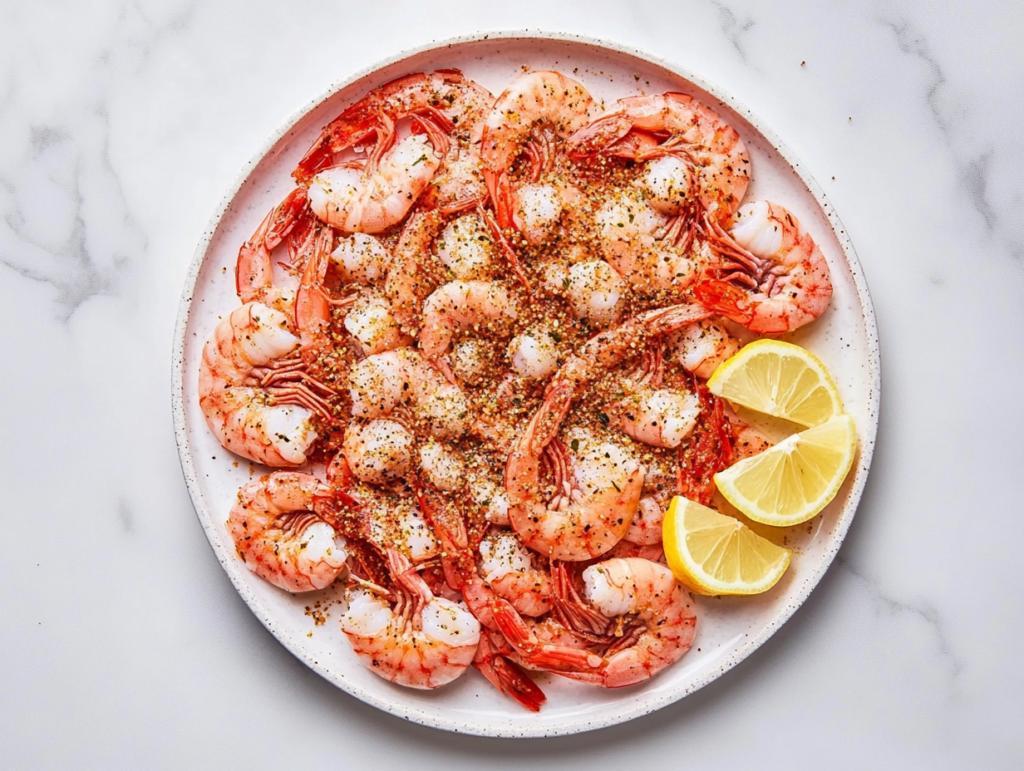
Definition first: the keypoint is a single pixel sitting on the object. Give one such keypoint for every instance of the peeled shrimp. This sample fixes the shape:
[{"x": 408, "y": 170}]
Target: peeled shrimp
[
  {"x": 279, "y": 536},
  {"x": 772, "y": 277}
]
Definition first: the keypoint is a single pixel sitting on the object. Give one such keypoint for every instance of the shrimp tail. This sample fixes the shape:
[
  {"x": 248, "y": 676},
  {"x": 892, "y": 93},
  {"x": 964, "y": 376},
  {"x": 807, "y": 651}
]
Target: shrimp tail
[
  {"x": 724, "y": 298},
  {"x": 506, "y": 247},
  {"x": 253, "y": 270},
  {"x": 551, "y": 657},
  {"x": 312, "y": 306},
  {"x": 449, "y": 526},
  {"x": 507, "y": 676}
]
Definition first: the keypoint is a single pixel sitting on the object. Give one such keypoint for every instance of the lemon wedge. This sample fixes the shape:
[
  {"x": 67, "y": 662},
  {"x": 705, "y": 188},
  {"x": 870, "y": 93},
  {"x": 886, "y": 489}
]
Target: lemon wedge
[
  {"x": 779, "y": 379},
  {"x": 714, "y": 554},
  {"x": 791, "y": 482}
]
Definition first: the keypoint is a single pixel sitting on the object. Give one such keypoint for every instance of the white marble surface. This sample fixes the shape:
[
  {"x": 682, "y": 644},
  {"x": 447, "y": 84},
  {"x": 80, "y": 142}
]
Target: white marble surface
[{"x": 122, "y": 643}]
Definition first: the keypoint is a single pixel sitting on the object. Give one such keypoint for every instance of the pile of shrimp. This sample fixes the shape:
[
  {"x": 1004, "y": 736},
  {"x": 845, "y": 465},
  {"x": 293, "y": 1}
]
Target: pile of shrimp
[{"x": 473, "y": 343}]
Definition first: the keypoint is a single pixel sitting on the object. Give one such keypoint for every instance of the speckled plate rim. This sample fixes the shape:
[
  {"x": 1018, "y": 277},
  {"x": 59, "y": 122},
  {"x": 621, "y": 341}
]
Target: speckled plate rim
[{"x": 649, "y": 702}]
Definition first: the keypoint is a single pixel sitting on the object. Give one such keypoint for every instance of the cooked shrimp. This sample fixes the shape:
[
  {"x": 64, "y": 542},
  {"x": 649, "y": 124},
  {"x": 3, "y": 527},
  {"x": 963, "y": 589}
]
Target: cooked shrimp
[
  {"x": 529, "y": 115},
  {"x": 257, "y": 400},
  {"x": 442, "y": 103},
  {"x": 373, "y": 198},
  {"x": 712, "y": 168},
  {"x": 594, "y": 292},
  {"x": 408, "y": 281},
  {"x": 708, "y": 450},
  {"x": 659, "y": 487},
  {"x": 645, "y": 527},
  {"x": 641, "y": 245},
  {"x": 463, "y": 574},
  {"x": 384, "y": 381},
  {"x": 700, "y": 347},
  {"x": 772, "y": 277},
  {"x": 652, "y": 413},
  {"x": 254, "y": 272},
  {"x": 572, "y": 526},
  {"x": 372, "y": 324},
  {"x": 584, "y": 518},
  {"x": 361, "y": 259},
  {"x": 379, "y": 451},
  {"x": 390, "y": 518},
  {"x": 280, "y": 538},
  {"x": 466, "y": 249},
  {"x": 493, "y": 498},
  {"x": 459, "y": 305},
  {"x": 661, "y": 417},
  {"x": 658, "y": 620},
  {"x": 420, "y": 641},
  {"x": 507, "y": 567},
  {"x": 494, "y": 661},
  {"x": 540, "y": 206},
  {"x": 459, "y": 184},
  {"x": 442, "y": 468},
  {"x": 534, "y": 354}
]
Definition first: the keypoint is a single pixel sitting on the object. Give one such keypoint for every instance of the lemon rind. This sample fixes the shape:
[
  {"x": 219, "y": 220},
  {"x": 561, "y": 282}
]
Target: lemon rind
[
  {"x": 737, "y": 361},
  {"x": 724, "y": 481},
  {"x": 697, "y": 580}
]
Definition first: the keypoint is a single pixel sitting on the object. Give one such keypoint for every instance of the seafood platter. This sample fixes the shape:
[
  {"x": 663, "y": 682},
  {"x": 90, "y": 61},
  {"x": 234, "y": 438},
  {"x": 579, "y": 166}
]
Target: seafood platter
[{"x": 525, "y": 384}]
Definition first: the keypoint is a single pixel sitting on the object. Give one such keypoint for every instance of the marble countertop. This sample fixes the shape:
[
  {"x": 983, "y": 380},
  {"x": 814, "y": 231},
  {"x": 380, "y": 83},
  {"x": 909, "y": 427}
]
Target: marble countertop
[{"x": 122, "y": 642}]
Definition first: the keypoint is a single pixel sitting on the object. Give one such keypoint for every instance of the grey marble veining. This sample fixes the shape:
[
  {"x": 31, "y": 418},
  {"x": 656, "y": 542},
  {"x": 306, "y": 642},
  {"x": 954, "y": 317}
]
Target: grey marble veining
[{"x": 124, "y": 645}]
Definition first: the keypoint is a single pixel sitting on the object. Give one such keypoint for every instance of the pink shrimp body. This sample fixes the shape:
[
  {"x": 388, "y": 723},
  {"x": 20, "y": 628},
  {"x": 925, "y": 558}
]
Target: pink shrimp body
[
  {"x": 440, "y": 101},
  {"x": 458, "y": 305},
  {"x": 658, "y": 626},
  {"x": 254, "y": 279},
  {"x": 382, "y": 382},
  {"x": 247, "y": 418},
  {"x": 719, "y": 166},
  {"x": 576, "y": 526},
  {"x": 526, "y": 114},
  {"x": 372, "y": 199},
  {"x": 280, "y": 538},
  {"x": 662, "y": 618},
  {"x": 419, "y": 641},
  {"x": 507, "y": 567},
  {"x": 773, "y": 277}
]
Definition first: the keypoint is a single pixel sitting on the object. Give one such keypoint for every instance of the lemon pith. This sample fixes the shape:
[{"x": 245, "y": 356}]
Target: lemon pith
[
  {"x": 715, "y": 554},
  {"x": 793, "y": 481},
  {"x": 779, "y": 379}
]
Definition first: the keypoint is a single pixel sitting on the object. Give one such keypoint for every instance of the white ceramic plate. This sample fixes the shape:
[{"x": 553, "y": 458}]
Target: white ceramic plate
[{"x": 729, "y": 629}]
